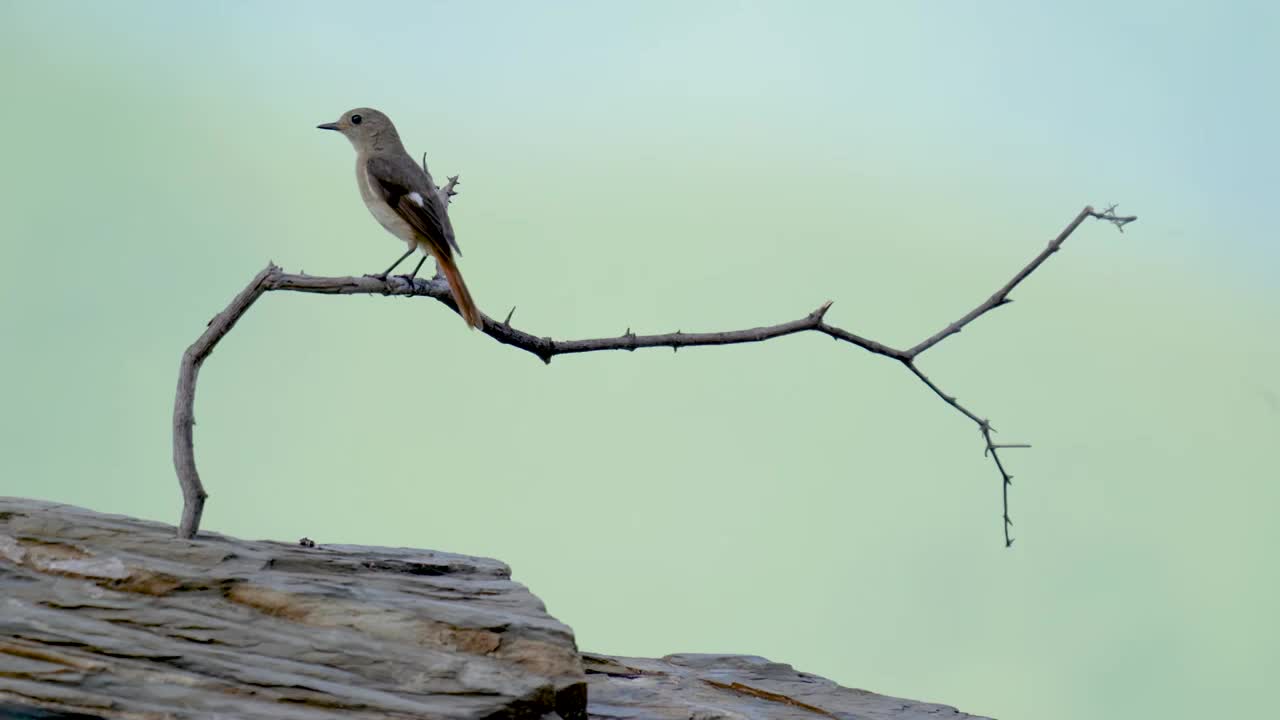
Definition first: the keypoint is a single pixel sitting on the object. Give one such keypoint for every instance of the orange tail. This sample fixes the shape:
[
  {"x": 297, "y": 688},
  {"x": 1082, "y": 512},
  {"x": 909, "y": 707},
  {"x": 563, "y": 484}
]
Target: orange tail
[{"x": 461, "y": 295}]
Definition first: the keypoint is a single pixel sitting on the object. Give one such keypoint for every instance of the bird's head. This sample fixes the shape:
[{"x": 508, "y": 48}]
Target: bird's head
[{"x": 366, "y": 128}]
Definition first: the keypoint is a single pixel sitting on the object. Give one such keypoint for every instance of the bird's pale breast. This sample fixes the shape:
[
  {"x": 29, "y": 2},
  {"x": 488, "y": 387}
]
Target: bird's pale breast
[{"x": 386, "y": 216}]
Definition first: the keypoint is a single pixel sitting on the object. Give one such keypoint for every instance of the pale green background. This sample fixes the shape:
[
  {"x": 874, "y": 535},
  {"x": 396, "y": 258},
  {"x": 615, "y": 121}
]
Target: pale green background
[{"x": 694, "y": 166}]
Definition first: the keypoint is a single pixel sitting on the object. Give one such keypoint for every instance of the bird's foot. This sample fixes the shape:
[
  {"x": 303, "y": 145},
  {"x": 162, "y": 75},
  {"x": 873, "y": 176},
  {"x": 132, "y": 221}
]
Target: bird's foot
[{"x": 377, "y": 276}]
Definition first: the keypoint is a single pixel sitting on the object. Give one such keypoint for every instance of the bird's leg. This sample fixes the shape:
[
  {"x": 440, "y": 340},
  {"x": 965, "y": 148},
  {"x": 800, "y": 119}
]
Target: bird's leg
[
  {"x": 383, "y": 275},
  {"x": 414, "y": 274}
]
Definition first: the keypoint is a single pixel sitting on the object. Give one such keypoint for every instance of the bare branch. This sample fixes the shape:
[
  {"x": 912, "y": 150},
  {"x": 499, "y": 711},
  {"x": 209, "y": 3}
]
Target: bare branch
[
  {"x": 545, "y": 348},
  {"x": 448, "y": 190},
  {"x": 992, "y": 449},
  {"x": 1001, "y": 446},
  {"x": 1110, "y": 216},
  {"x": 1001, "y": 297},
  {"x": 184, "y": 459}
]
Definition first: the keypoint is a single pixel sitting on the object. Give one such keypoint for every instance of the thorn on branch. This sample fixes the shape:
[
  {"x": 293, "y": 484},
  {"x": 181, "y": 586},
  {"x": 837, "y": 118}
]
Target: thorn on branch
[
  {"x": 507, "y": 323},
  {"x": 817, "y": 315}
]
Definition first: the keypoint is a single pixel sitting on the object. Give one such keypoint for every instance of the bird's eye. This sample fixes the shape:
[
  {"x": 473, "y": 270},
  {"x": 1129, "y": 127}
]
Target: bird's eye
[{"x": 355, "y": 119}]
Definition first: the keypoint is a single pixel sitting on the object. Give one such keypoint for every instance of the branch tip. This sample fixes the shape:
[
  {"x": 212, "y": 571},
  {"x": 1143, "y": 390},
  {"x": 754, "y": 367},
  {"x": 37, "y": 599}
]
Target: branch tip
[{"x": 1109, "y": 214}]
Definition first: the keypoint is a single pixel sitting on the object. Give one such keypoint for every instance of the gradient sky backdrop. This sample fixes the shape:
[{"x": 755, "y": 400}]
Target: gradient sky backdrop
[{"x": 696, "y": 166}]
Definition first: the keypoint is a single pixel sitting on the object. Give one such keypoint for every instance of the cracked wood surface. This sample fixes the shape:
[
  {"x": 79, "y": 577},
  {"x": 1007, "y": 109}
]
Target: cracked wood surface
[
  {"x": 113, "y": 617},
  {"x": 105, "y": 616},
  {"x": 735, "y": 687}
]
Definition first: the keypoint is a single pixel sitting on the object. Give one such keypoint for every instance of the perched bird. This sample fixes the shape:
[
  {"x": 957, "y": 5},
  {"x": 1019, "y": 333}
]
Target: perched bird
[{"x": 402, "y": 197}]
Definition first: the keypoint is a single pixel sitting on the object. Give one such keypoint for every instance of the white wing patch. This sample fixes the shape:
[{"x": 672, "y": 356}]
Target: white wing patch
[{"x": 416, "y": 198}]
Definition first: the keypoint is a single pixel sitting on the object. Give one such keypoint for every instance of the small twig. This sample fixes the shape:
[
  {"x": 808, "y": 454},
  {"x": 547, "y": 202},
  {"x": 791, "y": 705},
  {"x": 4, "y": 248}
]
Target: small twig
[
  {"x": 1110, "y": 216},
  {"x": 545, "y": 348},
  {"x": 992, "y": 449},
  {"x": 449, "y": 188},
  {"x": 1001, "y": 296},
  {"x": 447, "y": 192},
  {"x": 1006, "y": 481}
]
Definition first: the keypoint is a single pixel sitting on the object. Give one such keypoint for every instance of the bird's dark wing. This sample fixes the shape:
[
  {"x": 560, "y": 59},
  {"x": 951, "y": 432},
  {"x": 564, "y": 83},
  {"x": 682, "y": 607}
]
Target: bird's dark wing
[{"x": 406, "y": 189}]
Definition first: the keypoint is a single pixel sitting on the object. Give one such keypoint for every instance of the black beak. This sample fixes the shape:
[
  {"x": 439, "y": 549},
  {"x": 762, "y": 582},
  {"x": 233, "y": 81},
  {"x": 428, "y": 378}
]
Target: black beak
[{"x": 327, "y": 126}]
